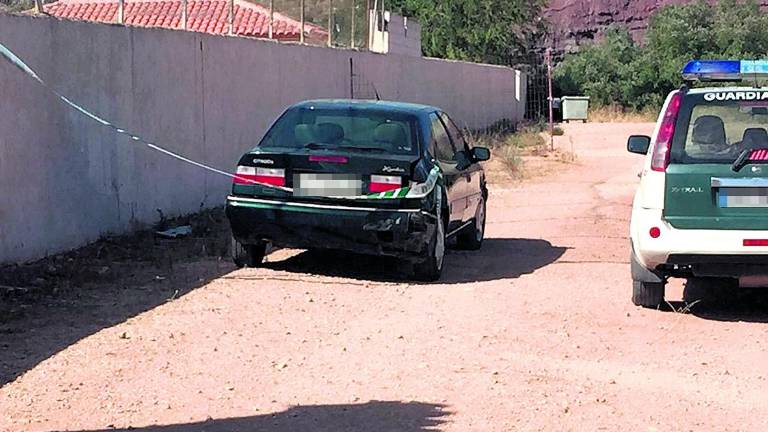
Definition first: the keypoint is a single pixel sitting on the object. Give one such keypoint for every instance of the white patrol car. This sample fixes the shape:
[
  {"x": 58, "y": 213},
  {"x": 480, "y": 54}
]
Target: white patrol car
[{"x": 701, "y": 209}]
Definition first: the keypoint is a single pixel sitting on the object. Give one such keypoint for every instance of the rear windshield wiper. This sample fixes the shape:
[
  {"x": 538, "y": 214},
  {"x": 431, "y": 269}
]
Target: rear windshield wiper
[
  {"x": 317, "y": 146},
  {"x": 370, "y": 149},
  {"x": 743, "y": 158}
]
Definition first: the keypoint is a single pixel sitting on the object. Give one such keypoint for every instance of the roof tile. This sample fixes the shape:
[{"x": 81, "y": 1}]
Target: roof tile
[{"x": 209, "y": 16}]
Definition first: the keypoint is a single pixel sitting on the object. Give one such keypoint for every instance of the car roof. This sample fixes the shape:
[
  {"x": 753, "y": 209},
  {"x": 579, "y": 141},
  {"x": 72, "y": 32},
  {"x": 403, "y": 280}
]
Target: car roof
[
  {"x": 700, "y": 90},
  {"x": 400, "y": 107}
]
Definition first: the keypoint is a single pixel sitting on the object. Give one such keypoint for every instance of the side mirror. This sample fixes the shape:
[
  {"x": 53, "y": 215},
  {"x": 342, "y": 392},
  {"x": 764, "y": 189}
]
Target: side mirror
[
  {"x": 638, "y": 144},
  {"x": 480, "y": 154},
  {"x": 462, "y": 160}
]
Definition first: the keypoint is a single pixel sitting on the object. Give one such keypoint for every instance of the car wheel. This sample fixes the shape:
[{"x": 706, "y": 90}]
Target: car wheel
[
  {"x": 431, "y": 267},
  {"x": 249, "y": 255},
  {"x": 648, "y": 294},
  {"x": 471, "y": 237}
]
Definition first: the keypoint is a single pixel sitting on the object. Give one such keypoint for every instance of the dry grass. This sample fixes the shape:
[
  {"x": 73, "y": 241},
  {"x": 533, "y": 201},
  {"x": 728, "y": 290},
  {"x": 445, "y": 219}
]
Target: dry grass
[
  {"x": 617, "y": 114},
  {"x": 509, "y": 150}
]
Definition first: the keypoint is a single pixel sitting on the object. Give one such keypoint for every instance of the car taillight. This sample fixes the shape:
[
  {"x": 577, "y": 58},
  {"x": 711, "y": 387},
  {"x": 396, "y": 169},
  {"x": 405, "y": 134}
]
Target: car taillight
[
  {"x": 755, "y": 242},
  {"x": 382, "y": 183},
  {"x": 660, "y": 156},
  {"x": 250, "y": 175}
]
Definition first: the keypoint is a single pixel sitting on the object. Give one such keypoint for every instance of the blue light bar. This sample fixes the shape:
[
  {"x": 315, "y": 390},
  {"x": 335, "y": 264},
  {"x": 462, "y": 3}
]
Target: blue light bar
[{"x": 724, "y": 70}]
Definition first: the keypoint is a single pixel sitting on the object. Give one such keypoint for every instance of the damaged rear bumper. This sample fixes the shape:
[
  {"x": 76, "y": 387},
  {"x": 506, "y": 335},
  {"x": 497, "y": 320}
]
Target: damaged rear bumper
[{"x": 401, "y": 233}]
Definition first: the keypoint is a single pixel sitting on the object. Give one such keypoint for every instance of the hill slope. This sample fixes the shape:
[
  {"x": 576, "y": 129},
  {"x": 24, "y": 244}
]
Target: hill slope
[{"x": 575, "y": 22}]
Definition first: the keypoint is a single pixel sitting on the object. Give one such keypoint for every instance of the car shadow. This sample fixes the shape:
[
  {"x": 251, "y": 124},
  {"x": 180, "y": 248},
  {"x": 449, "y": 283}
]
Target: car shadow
[
  {"x": 370, "y": 417},
  {"x": 734, "y": 305},
  {"x": 499, "y": 258}
]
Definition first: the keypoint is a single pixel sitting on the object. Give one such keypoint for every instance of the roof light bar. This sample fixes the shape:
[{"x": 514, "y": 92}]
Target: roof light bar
[{"x": 724, "y": 70}]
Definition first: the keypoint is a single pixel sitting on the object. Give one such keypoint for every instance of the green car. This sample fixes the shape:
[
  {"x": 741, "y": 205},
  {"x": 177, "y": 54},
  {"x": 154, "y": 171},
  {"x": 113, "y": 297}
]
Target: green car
[
  {"x": 374, "y": 177},
  {"x": 701, "y": 209}
]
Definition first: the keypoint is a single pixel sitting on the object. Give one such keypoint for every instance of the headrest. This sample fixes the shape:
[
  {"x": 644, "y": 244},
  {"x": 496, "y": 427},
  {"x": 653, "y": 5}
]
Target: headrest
[
  {"x": 391, "y": 135},
  {"x": 303, "y": 134},
  {"x": 755, "y": 137},
  {"x": 329, "y": 133},
  {"x": 709, "y": 130}
]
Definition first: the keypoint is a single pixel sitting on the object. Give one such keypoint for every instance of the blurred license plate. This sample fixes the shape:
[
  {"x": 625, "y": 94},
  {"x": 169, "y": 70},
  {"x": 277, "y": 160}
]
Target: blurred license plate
[
  {"x": 328, "y": 185},
  {"x": 743, "y": 197}
]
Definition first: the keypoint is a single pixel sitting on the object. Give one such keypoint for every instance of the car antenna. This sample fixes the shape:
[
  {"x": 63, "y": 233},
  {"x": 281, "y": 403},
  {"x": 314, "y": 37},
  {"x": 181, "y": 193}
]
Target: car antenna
[{"x": 378, "y": 98}]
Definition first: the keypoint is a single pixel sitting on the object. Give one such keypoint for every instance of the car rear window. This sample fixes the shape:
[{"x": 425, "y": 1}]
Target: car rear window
[
  {"x": 350, "y": 129},
  {"x": 716, "y": 127}
]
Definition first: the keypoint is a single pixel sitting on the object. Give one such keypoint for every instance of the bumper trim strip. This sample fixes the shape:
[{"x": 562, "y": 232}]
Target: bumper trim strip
[{"x": 235, "y": 200}]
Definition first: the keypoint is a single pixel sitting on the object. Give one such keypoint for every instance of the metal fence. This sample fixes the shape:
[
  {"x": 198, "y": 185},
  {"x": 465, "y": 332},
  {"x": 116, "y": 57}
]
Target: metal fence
[{"x": 339, "y": 23}]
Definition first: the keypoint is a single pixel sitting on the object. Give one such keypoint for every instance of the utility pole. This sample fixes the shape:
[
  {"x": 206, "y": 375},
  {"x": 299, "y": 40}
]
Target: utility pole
[
  {"x": 548, "y": 55},
  {"x": 330, "y": 23},
  {"x": 301, "y": 13},
  {"x": 352, "y": 31},
  {"x": 367, "y": 40},
  {"x": 271, "y": 18}
]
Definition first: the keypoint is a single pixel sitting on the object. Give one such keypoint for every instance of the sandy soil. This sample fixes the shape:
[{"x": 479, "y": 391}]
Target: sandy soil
[{"x": 534, "y": 332}]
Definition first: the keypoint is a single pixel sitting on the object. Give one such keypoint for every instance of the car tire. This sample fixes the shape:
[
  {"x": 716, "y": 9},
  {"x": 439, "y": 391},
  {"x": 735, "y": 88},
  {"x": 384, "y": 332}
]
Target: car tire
[
  {"x": 248, "y": 255},
  {"x": 429, "y": 269},
  {"x": 648, "y": 294},
  {"x": 471, "y": 237}
]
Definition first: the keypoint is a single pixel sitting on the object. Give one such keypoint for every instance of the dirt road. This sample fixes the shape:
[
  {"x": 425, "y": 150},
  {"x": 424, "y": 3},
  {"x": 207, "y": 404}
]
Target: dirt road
[{"x": 534, "y": 332}]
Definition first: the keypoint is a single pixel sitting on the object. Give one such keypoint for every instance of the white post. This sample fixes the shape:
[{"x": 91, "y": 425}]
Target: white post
[
  {"x": 184, "y": 14},
  {"x": 271, "y": 18},
  {"x": 121, "y": 12},
  {"x": 231, "y": 17}
]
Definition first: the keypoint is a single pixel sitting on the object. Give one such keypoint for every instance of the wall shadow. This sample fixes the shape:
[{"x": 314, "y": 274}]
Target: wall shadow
[
  {"x": 373, "y": 416},
  {"x": 499, "y": 258},
  {"x": 65, "y": 298}
]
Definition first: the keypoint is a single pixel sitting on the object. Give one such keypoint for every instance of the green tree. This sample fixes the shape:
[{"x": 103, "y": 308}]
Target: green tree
[
  {"x": 640, "y": 76},
  {"x": 488, "y": 31}
]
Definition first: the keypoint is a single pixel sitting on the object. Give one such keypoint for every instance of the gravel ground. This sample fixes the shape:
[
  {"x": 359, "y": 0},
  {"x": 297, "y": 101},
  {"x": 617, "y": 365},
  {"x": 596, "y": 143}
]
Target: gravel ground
[{"x": 534, "y": 332}]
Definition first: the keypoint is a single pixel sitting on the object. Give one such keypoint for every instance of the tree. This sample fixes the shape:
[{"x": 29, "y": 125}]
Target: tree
[{"x": 487, "y": 31}]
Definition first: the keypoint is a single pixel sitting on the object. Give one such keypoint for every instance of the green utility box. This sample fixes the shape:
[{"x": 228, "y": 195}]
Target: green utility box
[{"x": 575, "y": 108}]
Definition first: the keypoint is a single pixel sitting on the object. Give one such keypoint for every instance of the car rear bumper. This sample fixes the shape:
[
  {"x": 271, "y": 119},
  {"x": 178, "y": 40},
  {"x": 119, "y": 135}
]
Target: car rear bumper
[
  {"x": 401, "y": 233},
  {"x": 696, "y": 251}
]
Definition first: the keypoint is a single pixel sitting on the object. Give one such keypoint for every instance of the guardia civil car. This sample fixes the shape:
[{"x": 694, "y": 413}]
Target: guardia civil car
[
  {"x": 701, "y": 209},
  {"x": 375, "y": 177}
]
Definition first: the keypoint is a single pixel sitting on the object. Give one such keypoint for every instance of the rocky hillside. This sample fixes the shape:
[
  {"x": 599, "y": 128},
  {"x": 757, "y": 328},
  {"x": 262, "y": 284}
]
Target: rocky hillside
[{"x": 575, "y": 22}]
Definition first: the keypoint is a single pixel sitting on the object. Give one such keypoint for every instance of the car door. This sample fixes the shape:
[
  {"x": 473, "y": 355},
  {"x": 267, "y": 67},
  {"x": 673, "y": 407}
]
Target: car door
[
  {"x": 444, "y": 152},
  {"x": 470, "y": 180}
]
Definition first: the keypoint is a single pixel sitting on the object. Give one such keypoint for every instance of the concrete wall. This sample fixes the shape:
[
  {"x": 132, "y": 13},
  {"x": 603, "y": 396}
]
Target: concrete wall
[{"x": 66, "y": 181}]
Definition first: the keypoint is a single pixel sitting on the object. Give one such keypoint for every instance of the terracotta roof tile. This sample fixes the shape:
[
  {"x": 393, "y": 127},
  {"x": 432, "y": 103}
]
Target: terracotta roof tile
[{"x": 208, "y": 16}]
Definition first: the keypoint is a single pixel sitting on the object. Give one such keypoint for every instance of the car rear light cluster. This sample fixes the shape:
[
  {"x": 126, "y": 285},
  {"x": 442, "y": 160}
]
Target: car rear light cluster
[
  {"x": 250, "y": 175},
  {"x": 661, "y": 149},
  {"x": 382, "y": 183},
  {"x": 759, "y": 155}
]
